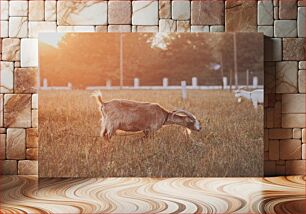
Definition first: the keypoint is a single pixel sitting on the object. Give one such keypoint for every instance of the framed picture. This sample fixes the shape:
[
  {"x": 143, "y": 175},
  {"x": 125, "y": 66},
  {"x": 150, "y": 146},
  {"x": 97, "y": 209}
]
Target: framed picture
[{"x": 150, "y": 104}]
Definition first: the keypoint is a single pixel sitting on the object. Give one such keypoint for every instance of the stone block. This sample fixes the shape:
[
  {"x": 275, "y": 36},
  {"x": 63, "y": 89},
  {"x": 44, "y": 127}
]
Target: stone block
[
  {"x": 34, "y": 118},
  {"x": 4, "y": 10},
  {"x": 293, "y": 49},
  {"x": 301, "y": 80},
  {"x": 7, "y": 77},
  {"x": 199, "y": 28},
  {"x": 290, "y": 149},
  {"x": 147, "y": 28},
  {"x": 27, "y": 167},
  {"x": 119, "y": 28},
  {"x": 90, "y": 12},
  {"x": 285, "y": 28},
  {"x": 286, "y": 77},
  {"x": 304, "y": 135},
  {"x": 301, "y": 22},
  {"x": 207, "y": 12},
  {"x": 280, "y": 133},
  {"x": 273, "y": 49},
  {"x": 302, "y": 65},
  {"x": 1, "y": 111},
  {"x": 293, "y": 120},
  {"x": 119, "y": 12},
  {"x": 216, "y": 28},
  {"x": 50, "y": 10},
  {"x": 2, "y": 146},
  {"x": 15, "y": 144},
  {"x": 101, "y": 28},
  {"x": 4, "y": 29},
  {"x": 269, "y": 168},
  {"x": 36, "y": 10},
  {"x": 17, "y": 110},
  {"x": 32, "y": 154},
  {"x": 164, "y": 9},
  {"x": 18, "y": 27},
  {"x": 265, "y": 12},
  {"x": 183, "y": 26},
  {"x": 293, "y": 103},
  {"x": 240, "y": 16},
  {"x": 180, "y": 10},
  {"x": 145, "y": 13},
  {"x": 2, "y": 130},
  {"x": 297, "y": 133},
  {"x": 266, "y": 30},
  {"x": 275, "y": 11},
  {"x": 167, "y": 25},
  {"x": 11, "y": 49},
  {"x": 29, "y": 53},
  {"x": 277, "y": 115},
  {"x": 26, "y": 80},
  {"x": 34, "y": 101},
  {"x": 287, "y": 9},
  {"x": 32, "y": 138},
  {"x": 295, "y": 167},
  {"x": 18, "y": 8},
  {"x": 36, "y": 27},
  {"x": 76, "y": 29},
  {"x": 303, "y": 151},
  {"x": 8, "y": 167},
  {"x": 273, "y": 150},
  {"x": 269, "y": 118}
]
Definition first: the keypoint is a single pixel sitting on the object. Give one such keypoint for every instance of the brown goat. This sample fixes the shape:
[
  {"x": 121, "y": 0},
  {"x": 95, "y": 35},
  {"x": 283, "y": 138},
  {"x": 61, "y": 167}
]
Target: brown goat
[{"x": 132, "y": 116}]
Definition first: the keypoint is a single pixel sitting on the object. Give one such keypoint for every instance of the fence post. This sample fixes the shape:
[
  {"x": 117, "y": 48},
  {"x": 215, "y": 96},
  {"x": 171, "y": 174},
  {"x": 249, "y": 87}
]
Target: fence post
[
  {"x": 165, "y": 82},
  {"x": 184, "y": 90},
  {"x": 108, "y": 83},
  {"x": 136, "y": 82},
  {"x": 224, "y": 79},
  {"x": 194, "y": 82},
  {"x": 247, "y": 78},
  {"x": 255, "y": 82}
]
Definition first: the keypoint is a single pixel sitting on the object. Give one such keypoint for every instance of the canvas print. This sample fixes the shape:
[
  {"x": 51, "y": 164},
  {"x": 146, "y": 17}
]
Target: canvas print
[{"x": 150, "y": 104}]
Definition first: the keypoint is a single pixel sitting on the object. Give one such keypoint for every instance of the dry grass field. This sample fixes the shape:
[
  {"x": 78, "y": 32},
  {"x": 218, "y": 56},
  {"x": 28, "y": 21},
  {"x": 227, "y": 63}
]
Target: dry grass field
[{"x": 229, "y": 144}]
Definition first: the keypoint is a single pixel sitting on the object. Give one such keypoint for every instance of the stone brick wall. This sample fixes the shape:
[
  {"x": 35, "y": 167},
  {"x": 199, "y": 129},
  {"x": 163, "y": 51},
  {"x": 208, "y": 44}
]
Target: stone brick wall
[{"x": 282, "y": 21}]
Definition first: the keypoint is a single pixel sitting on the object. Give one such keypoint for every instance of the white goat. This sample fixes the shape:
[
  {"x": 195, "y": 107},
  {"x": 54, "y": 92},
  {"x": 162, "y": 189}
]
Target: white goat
[
  {"x": 256, "y": 96},
  {"x": 133, "y": 116}
]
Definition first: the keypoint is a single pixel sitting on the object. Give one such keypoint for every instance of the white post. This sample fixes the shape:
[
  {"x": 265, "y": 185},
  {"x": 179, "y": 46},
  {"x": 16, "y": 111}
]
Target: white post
[
  {"x": 136, "y": 82},
  {"x": 45, "y": 83},
  {"x": 224, "y": 79},
  {"x": 69, "y": 85},
  {"x": 247, "y": 78},
  {"x": 194, "y": 82},
  {"x": 184, "y": 90},
  {"x": 165, "y": 82},
  {"x": 255, "y": 82},
  {"x": 108, "y": 83}
]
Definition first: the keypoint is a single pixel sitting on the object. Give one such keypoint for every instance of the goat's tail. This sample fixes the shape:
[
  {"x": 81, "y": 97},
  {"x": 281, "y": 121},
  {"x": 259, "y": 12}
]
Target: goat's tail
[{"x": 98, "y": 96}]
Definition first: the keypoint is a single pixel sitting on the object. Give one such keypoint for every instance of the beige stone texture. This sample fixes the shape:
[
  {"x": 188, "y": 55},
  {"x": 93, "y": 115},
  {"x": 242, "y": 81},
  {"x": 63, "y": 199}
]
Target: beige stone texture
[
  {"x": 145, "y": 13},
  {"x": 15, "y": 144},
  {"x": 280, "y": 133},
  {"x": 285, "y": 28},
  {"x": 29, "y": 53},
  {"x": 302, "y": 65},
  {"x": 50, "y": 10},
  {"x": 277, "y": 115},
  {"x": 266, "y": 30},
  {"x": 119, "y": 12},
  {"x": 183, "y": 26},
  {"x": 76, "y": 29},
  {"x": 167, "y": 25},
  {"x": 28, "y": 167},
  {"x": 199, "y": 28},
  {"x": 304, "y": 135},
  {"x": 180, "y": 10},
  {"x": 36, "y": 27},
  {"x": 4, "y": 32},
  {"x": 8, "y": 167},
  {"x": 2, "y": 130},
  {"x": 147, "y": 28},
  {"x": 297, "y": 133},
  {"x": 18, "y": 27},
  {"x": 119, "y": 28},
  {"x": 4, "y": 10},
  {"x": 301, "y": 22},
  {"x": 2, "y": 146},
  {"x": 295, "y": 167},
  {"x": 101, "y": 28},
  {"x": 1, "y": 110},
  {"x": 293, "y": 103},
  {"x": 36, "y": 10},
  {"x": 304, "y": 151},
  {"x": 216, "y": 28},
  {"x": 293, "y": 49},
  {"x": 301, "y": 81},
  {"x": 32, "y": 154},
  {"x": 265, "y": 12},
  {"x": 18, "y": 8},
  {"x": 290, "y": 149},
  {"x": 286, "y": 77},
  {"x": 164, "y": 9},
  {"x": 34, "y": 101},
  {"x": 207, "y": 12},
  {"x": 273, "y": 150},
  {"x": 32, "y": 138},
  {"x": 293, "y": 120},
  {"x": 34, "y": 118},
  {"x": 7, "y": 77},
  {"x": 17, "y": 110},
  {"x": 276, "y": 11},
  {"x": 26, "y": 80},
  {"x": 11, "y": 49},
  {"x": 287, "y": 9}
]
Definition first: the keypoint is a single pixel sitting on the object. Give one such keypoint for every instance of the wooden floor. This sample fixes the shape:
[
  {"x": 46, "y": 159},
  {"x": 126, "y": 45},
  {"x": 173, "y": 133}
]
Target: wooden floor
[{"x": 138, "y": 195}]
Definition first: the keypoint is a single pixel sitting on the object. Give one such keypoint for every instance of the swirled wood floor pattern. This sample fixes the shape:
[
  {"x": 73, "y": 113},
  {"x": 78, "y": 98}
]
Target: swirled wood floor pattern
[{"x": 28, "y": 194}]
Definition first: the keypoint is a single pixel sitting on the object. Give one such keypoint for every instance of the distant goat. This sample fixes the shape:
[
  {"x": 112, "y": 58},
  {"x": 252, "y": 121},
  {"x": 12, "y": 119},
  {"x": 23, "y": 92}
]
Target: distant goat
[
  {"x": 132, "y": 116},
  {"x": 256, "y": 96}
]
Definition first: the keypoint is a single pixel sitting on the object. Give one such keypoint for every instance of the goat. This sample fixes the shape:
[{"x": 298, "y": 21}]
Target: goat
[
  {"x": 256, "y": 96},
  {"x": 133, "y": 116}
]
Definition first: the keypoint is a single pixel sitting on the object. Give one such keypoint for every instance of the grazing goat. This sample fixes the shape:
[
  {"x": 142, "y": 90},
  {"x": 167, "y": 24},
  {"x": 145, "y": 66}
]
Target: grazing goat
[
  {"x": 256, "y": 96},
  {"x": 132, "y": 116}
]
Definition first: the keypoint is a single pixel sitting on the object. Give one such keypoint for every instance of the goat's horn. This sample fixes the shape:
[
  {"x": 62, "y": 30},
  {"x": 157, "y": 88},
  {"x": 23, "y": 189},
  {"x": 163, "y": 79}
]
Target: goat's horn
[{"x": 184, "y": 112}]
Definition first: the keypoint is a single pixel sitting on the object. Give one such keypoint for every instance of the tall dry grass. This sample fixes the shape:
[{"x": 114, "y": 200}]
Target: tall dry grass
[{"x": 230, "y": 143}]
